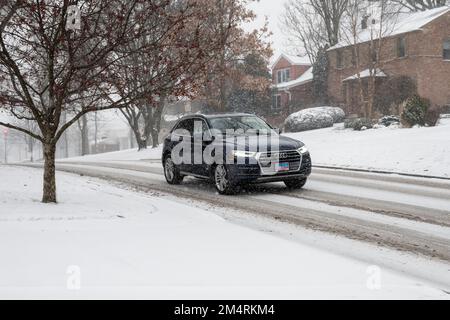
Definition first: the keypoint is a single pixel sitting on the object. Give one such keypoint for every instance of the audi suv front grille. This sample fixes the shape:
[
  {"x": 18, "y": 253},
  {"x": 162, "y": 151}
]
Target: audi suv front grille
[{"x": 287, "y": 162}]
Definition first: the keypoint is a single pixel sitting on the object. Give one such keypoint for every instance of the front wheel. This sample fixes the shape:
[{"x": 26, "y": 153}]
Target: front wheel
[
  {"x": 222, "y": 181},
  {"x": 171, "y": 172},
  {"x": 295, "y": 184}
]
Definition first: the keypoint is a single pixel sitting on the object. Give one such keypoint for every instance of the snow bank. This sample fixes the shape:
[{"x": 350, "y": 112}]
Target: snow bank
[
  {"x": 161, "y": 249},
  {"x": 423, "y": 151},
  {"x": 313, "y": 118}
]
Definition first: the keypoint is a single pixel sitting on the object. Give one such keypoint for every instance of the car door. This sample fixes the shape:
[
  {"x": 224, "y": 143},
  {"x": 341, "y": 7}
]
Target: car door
[
  {"x": 183, "y": 134},
  {"x": 199, "y": 143}
]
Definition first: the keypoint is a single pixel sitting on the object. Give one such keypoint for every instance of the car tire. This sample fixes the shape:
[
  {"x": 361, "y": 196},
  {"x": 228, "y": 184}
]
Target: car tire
[
  {"x": 171, "y": 172},
  {"x": 222, "y": 181},
  {"x": 295, "y": 184}
]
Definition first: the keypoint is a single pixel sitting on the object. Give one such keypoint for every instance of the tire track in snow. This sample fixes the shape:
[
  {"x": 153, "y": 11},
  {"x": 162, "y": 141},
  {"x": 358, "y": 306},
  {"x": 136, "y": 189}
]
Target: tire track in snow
[{"x": 354, "y": 227}]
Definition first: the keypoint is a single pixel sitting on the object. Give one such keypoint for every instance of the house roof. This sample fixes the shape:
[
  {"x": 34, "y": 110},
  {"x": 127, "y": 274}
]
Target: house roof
[
  {"x": 293, "y": 60},
  {"x": 397, "y": 24},
  {"x": 365, "y": 74},
  {"x": 304, "y": 78}
]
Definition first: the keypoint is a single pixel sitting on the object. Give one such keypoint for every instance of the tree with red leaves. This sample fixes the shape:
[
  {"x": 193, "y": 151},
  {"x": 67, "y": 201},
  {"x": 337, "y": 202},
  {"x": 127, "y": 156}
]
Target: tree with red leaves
[
  {"x": 55, "y": 62},
  {"x": 227, "y": 19}
]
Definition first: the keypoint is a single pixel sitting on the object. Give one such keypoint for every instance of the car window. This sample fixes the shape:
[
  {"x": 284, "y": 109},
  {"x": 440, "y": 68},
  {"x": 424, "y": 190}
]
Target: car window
[
  {"x": 239, "y": 123},
  {"x": 185, "y": 125},
  {"x": 200, "y": 128}
]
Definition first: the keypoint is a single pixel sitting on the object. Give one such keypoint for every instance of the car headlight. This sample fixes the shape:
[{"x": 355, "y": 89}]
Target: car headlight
[
  {"x": 243, "y": 154},
  {"x": 303, "y": 150}
]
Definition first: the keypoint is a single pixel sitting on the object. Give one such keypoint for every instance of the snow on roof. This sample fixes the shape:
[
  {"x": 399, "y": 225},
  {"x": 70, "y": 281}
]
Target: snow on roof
[
  {"x": 366, "y": 74},
  {"x": 297, "y": 60},
  {"x": 398, "y": 24},
  {"x": 294, "y": 60},
  {"x": 304, "y": 78}
]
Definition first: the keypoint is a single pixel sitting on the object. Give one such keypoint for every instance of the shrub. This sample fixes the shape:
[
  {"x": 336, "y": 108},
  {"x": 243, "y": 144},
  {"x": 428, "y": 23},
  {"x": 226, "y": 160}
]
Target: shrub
[
  {"x": 389, "y": 120},
  {"x": 337, "y": 114},
  {"x": 313, "y": 118},
  {"x": 358, "y": 124},
  {"x": 415, "y": 111}
]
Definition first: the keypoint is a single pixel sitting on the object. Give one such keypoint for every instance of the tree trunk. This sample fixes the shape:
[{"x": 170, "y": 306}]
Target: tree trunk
[
  {"x": 157, "y": 121},
  {"x": 84, "y": 136},
  {"x": 66, "y": 139},
  {"x": 31, "y": 148},
  {"x": 132, "y": 140},
  {"x": 95, "y": 133},
  {"x": 155, "y": 138},
  {"x": 141, "y": 143},
  {"x": 49, "y": 195}
]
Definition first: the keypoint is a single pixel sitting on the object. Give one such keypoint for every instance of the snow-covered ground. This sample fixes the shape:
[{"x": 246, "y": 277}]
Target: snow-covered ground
[
  {"x": 423, "y": 151},
  {"x": 102, "y": 241}
]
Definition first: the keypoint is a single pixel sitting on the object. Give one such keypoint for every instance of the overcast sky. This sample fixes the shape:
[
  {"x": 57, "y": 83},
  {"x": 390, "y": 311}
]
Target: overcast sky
[{"x": 273, "y": 9}]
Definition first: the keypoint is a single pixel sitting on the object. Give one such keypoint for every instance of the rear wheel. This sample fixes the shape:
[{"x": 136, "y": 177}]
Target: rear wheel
[
  {"x": 295, "y": 184},
  {"x": 222, "y": 181},
  {"x": 171, "y": 172}
]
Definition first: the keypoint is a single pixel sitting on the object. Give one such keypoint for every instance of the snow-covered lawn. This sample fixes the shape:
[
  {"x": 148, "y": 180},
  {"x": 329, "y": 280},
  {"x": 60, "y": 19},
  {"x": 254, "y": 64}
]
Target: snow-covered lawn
[
  {"x": 423, "y": 151},
  {"x": 101, "y": 241}
]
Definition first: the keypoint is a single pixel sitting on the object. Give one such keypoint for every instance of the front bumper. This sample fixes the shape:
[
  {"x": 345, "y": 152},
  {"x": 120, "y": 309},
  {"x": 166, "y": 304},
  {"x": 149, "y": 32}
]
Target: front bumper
[{"x": 252, "y": 173}]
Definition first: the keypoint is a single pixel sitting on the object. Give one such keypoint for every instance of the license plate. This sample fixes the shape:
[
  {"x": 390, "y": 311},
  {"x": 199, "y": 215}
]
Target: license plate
[{"x": 283, "y": 166}]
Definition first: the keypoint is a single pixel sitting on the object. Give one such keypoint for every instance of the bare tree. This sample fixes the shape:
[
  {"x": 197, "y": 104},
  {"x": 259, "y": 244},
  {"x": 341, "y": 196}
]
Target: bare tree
[
  {"x": 305, "y": 28},
  {"x": 314, "y": 24},
  {"x": 49, "y": 68},
  {"x": 367, "y": 25}
]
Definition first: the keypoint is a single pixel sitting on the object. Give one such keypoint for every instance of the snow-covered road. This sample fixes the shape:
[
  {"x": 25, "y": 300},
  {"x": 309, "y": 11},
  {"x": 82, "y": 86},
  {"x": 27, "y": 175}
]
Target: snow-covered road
[
  {"x": 400, "y": 212},
  {"x": 179, "y": 242}
]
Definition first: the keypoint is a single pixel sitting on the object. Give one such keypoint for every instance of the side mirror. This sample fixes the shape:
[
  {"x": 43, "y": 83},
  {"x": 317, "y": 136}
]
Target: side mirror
[
  {"x": 278, "y": 130},
  {"x": 175, "y": 137},
  {"x": 208, "y": 138}
]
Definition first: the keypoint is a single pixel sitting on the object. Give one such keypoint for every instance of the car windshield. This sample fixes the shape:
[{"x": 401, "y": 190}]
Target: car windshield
[{"x": 240, "y": 124}]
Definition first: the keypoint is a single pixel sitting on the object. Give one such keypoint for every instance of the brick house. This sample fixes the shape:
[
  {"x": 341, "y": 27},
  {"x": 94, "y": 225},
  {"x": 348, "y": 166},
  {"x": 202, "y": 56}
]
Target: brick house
[
  {"x": 291, "y": 83},
  {"x": 417, "y": 46}
]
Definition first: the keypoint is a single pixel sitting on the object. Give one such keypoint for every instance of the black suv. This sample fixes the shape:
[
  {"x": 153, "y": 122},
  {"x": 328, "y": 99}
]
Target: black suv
[{"x": 233, "y": 150}]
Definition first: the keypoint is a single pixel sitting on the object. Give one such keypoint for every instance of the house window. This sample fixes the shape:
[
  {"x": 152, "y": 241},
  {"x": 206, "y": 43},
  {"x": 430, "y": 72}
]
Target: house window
[
  {"x": 276, "y": 102},
  {"x": 446, "y": 53},
  {"x": 401, "y": 47},
  {"x": 283, "y": 75},
  {"x": 339, "y": 60}
]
